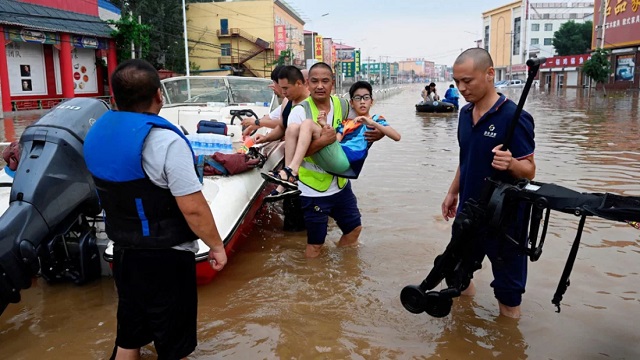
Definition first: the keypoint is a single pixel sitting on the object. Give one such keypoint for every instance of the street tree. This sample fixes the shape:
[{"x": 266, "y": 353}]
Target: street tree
[
  {"x": 573, "y": 38},
  {"x": 598, "y": 67},
  {"x": 164, "y": 20}
]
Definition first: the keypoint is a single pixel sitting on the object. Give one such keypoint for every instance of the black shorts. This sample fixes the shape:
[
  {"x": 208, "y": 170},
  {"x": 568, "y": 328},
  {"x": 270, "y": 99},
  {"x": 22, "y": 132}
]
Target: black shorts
[{"x": 158, "y": 300}]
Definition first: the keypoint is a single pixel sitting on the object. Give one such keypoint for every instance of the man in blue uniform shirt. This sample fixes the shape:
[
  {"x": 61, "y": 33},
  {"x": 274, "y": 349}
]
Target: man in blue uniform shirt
[{"x": 482, "y": 128}]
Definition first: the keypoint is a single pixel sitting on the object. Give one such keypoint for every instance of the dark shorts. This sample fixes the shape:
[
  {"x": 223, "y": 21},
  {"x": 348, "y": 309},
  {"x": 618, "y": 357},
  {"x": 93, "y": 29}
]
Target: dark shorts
[
  {"x": 157, "y": 300},
  {"x": 342, "y": 207}
]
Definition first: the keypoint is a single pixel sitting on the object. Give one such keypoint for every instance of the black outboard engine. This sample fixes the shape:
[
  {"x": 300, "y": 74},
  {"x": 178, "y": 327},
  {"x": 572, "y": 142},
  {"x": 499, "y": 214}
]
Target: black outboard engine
[{"x": 44, "y": 231}]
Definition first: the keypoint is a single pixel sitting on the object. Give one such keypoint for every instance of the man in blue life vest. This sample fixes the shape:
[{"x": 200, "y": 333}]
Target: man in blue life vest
[
  {"x": 482, "y": 128},
  {"x": 323, "y": 194},
  {"x": 143, "y": 168},
  {"x": 452, "y": 95}
]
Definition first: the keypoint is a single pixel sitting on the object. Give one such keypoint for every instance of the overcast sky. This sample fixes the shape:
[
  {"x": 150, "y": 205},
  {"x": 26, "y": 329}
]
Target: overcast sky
[{"x": 399, "y": 29}]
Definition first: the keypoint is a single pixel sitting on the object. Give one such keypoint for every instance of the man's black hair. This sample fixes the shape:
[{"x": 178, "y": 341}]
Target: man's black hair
[
  {"x": 275, "y": 72},
  {"x": 360, "y": 85},
  {"x": 451, "y": 86},
  {"x": 291, "y": 73},
  {"x": 432, "y": 84},
  {"x": 134, "y": 82},
  {"x": 320, "y": 64}
]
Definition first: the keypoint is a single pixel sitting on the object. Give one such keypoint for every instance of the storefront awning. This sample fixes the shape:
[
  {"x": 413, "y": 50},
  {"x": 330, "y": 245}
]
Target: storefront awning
[{"x": 37, "y": 17}]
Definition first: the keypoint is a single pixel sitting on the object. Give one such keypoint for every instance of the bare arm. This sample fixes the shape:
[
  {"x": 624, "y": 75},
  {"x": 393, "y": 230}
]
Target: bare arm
[
  {"x": 385, "y": 130},
  {"x": 518, "y": 168},
  {"x": 327, "y": 137},
  {"x": 276, "y": 134},
  {"x": 450, "y": 203},
  {"x": 196, "y": 211}
]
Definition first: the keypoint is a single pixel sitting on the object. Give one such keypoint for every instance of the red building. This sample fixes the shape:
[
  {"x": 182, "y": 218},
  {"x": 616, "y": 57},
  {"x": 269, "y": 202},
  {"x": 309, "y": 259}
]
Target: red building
[
  {"x": 564, "y": 72},
  {"x": 622, "y": 38},
  {"x": 51, "y": 50}
]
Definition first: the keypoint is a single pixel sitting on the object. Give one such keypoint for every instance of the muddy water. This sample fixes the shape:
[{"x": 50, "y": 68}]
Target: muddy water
[{"x": 272, "y": 303}]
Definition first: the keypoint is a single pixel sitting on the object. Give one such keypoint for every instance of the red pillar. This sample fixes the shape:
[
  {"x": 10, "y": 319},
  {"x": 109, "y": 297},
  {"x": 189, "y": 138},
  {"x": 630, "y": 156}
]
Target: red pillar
[
  {"x": 66, "y": 66},
  {"x": 4, "y": 74},
  {"x": 112, "y": 63}
]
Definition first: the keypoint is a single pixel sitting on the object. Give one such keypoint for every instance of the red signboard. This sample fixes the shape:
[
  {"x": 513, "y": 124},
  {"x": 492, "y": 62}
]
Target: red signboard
[
  {"x": 565, "y": 61},
  {"x": 622, "y": 23},
  {"x": 318, "y": 48},
  {"x": 281, "y": 39}
]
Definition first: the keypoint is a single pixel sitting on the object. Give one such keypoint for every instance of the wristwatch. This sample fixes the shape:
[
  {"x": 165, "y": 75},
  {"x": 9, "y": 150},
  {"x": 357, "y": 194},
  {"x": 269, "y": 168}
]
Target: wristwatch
[{"x": 258, "y": 122}]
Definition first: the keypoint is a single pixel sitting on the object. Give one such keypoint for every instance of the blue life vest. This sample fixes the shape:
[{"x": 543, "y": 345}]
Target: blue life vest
[{"x": 139, "y": 214}]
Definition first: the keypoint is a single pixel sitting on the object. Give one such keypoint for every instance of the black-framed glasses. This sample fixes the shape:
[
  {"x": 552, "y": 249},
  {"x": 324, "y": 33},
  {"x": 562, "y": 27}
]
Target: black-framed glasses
[{"x": 360, "y": 98}]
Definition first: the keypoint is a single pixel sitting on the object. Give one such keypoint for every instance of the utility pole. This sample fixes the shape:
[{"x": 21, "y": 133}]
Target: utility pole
[
  {"x": 380, "y": 71},
  {"x": 289, "y": 49},
  {"x": 510, "y": 53},
  {"x": 601, "y": 26}
]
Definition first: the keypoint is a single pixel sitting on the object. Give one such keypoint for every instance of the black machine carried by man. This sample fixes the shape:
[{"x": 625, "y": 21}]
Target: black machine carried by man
[{"x": 496, "y": 205}]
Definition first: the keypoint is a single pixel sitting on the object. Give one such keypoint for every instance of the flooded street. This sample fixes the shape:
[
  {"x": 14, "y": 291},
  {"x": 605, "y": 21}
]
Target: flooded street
[{"x": 272, "y": 303}]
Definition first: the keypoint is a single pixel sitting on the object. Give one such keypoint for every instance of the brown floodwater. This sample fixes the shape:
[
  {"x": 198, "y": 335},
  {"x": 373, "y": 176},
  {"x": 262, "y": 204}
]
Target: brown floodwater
[{"x": 272, "y": 303}]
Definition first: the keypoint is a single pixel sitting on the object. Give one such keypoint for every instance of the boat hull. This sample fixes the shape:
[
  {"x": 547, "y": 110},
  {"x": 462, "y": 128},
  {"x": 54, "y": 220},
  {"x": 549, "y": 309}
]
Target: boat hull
[{"x": 435, "y": 107}]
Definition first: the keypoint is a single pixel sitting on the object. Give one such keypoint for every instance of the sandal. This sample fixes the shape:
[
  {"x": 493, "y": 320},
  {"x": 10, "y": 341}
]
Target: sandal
[
  {"x": 275, "y": 195},
  {"x": 291, "y": 181}
]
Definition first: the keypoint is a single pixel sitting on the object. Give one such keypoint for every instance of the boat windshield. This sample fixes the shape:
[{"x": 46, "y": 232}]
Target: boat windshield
[{"x": 227, "y": 90}]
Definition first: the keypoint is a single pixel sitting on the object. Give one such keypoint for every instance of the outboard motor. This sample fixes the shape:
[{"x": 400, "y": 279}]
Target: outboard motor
[{"x": 44, "y": 231}]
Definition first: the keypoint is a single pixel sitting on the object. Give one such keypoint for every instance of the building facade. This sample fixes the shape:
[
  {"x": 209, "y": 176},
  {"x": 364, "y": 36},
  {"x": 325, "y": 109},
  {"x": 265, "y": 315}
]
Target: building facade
[
  {"x": 52, "y": 50},
  {"x": 621, "y": 35},
  {"x": 245, "y": 37},
  {"x": 560, "y": 72},
  {"x": 545, "y": 18},
  {"x": 503, "y": 39}
]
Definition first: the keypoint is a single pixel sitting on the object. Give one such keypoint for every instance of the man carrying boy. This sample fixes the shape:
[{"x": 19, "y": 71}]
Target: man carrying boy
[{"x": 323, "y": 194}]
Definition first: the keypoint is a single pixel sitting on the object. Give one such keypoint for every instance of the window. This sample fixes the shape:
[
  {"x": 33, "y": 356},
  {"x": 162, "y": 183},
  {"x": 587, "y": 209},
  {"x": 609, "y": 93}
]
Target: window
[
  {"x": 548, "y": 27},
  {"x": 225, "y": 49},
  {"x": 545, "y": 16},
  {"x": 548, "y": 41},
  {"x": 516, "y": 36},
  {"x": 535, "y": 27},
  {"x": 486, "y": 37},
  {"x": 535, "y": 41}
]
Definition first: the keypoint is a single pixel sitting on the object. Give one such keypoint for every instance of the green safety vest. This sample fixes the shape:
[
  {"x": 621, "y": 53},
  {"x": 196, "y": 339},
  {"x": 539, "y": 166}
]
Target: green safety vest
[{"x": 309, "y": 173}]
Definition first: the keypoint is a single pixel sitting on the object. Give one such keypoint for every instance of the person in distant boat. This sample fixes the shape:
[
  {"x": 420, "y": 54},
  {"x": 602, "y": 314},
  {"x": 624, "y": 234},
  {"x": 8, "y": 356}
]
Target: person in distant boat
[
  {"x": 143, "y": 168},
  {"x": 323, "y": 194},
  {"x": 452, "y": 95},
  {"x": 434, "y": 92},
  {"x": 482, "y": 127},
  {"x": 427, "y": 94}
]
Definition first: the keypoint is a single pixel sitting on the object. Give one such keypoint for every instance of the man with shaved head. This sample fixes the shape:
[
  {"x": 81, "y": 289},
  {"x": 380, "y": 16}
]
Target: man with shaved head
[{"x": 482, "y": 129}]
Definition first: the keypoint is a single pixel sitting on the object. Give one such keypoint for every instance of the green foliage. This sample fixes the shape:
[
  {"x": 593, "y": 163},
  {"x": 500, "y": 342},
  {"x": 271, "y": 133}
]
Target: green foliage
[
  {"x": 283, "y": 58},
  {"x": 573, "y": 38},
  {"x": 129, "y": 30},
  {"x": 598, "y": 67},
  {"x": 166, "y": 39}
]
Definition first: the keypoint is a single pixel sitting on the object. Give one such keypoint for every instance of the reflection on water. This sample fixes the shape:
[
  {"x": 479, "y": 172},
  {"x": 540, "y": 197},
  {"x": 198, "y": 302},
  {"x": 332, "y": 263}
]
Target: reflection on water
[{"x": 271, "y": 302}]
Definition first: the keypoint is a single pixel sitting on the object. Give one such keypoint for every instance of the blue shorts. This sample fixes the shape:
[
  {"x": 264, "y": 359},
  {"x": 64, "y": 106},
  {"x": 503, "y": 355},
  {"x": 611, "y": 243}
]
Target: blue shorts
[
  {"x": 342, "y": 207},
  {"x": 508, "y": 265}
]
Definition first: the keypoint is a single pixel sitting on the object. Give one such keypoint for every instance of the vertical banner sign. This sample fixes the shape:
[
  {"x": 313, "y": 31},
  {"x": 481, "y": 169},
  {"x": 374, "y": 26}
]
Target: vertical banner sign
[
  {"x": 327, "y": 44},
  {"x": 357, "y": 61},
  {"x": 333, "y": 55},
  {"x": 318, "y": 48},
  {"x": 281, "y": 39}
]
